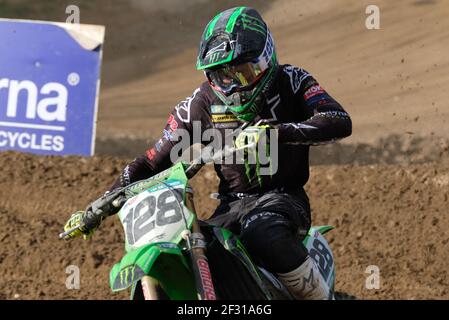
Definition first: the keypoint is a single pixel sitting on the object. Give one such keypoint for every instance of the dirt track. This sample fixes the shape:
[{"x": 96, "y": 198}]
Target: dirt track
[
  {"x": 391, "y": 216},
  {"x": 387, "y": 196}
]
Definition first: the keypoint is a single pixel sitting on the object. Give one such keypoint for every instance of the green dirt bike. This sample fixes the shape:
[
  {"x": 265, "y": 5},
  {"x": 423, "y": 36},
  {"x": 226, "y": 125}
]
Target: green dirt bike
[{"x": 172, "y": 255}]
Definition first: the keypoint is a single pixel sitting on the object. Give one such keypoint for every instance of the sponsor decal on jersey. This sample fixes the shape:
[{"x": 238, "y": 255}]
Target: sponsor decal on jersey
[
  {"x": 273, "y": 103},
  {"x": 158, "y": 145},
  {"x": 313, "y": 91},
  {"x": 125, "y": 176},
  {"x": 223, "y": 117},
  {"x": 299, "y": 125},
  {"x": 151, "y": 154},
  {"x": 172, "y": 123},
  {"x": 216, "y": 108},
  {"x": 297, "y": 76},
  {"x": 167, "y": 134},
  {"x": 183, "y": 109},
  {"x": 323, "y": 101},
  {"x": 334, "y": 114},
  {"x": 226, "y": 125}
]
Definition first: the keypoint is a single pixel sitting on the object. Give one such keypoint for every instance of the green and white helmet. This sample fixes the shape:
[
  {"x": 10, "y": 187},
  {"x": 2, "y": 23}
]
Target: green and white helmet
[{"x": 238, "y": 57}]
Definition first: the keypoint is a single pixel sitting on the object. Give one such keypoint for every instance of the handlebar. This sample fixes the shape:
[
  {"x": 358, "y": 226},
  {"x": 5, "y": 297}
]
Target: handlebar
[
  {"x": 102, "y": 207},
  {"x": 64, "y": 234},
  {"x": 117, "y": 197}
]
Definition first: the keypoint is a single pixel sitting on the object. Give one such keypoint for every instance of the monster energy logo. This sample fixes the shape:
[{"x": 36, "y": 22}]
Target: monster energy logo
[
  {"x": 254, "y": 24},
  {"x": 125, "y": 273},
  {"x": 254, "y": 154},
  {"x": 214, "y": 57},
  {"x": 260, "y": 154}
]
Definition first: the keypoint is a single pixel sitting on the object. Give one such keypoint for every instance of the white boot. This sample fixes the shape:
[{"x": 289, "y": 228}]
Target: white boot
[{"x": 306, "y": 282}]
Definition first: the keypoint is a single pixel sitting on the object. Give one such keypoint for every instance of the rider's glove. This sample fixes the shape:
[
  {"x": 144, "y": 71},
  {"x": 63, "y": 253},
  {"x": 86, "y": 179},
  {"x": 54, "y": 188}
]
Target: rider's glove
[
  {"x": 88, "y": 221},
  {"x": 252, "y": 135},
  {"x": 77, "y": 220}
]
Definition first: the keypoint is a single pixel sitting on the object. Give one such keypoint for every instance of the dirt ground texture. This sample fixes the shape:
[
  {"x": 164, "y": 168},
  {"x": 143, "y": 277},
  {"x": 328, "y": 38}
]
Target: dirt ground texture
[
  {"x": 385, "y": 188},
  {"x": 391, "y": 216}
]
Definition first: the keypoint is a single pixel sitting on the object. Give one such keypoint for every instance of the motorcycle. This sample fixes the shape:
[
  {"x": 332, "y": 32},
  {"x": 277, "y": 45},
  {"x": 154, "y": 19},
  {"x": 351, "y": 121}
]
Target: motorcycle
[{"x": 170, "y": 254}]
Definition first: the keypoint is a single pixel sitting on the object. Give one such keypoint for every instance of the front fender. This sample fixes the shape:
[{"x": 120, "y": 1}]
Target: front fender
[{"x": 162, "y": 261}]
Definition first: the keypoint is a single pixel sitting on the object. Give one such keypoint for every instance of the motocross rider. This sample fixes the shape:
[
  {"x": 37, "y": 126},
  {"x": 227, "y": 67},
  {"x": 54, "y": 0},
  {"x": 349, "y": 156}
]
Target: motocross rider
[{"x": 245, "y": 84}]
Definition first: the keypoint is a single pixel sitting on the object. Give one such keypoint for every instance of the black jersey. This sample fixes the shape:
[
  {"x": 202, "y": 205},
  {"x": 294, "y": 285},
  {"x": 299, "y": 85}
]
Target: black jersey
[{"x": 297, "y": 106}]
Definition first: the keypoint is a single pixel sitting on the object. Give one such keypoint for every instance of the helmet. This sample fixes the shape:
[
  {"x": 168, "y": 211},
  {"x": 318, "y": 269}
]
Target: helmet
[{"x": 238, "y": 57}]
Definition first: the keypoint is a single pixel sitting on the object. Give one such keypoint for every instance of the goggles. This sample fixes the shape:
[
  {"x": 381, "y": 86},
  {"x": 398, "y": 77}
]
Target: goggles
[{"x": 234, "y": 78}]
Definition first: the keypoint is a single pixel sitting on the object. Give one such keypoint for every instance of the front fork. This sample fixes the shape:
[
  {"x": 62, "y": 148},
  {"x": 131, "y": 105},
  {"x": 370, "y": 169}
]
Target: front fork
[
  {"x": 151, "y": 289},
  {"x": 196, "y": 246}
]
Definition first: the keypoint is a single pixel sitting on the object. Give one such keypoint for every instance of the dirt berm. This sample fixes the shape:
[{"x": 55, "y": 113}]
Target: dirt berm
[{"x": 390, "y": 216}]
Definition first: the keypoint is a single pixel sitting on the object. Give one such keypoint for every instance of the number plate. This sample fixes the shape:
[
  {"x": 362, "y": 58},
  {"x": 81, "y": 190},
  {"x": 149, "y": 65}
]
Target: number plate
[
  {"x": 155, "y": 215},
  {"x": 320, "y": 251}
]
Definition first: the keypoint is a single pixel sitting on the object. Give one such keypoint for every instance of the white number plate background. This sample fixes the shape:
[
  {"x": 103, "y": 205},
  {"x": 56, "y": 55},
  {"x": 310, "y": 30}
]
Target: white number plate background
[{"x": 154, "y": 217}]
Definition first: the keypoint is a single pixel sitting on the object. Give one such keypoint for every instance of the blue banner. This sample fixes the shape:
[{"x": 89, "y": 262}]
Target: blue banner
[{"x": 49, "y": 83}]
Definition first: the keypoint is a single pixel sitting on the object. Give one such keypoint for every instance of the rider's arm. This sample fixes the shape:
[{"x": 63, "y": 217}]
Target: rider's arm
[
  {"x": 326, "y": 121},
  {"x": 160, "y": 157},
  {"x": 177, "y": 133}
]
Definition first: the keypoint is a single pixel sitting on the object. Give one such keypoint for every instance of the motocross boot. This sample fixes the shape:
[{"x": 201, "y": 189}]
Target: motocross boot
[{"x": 306, "y": 282}]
